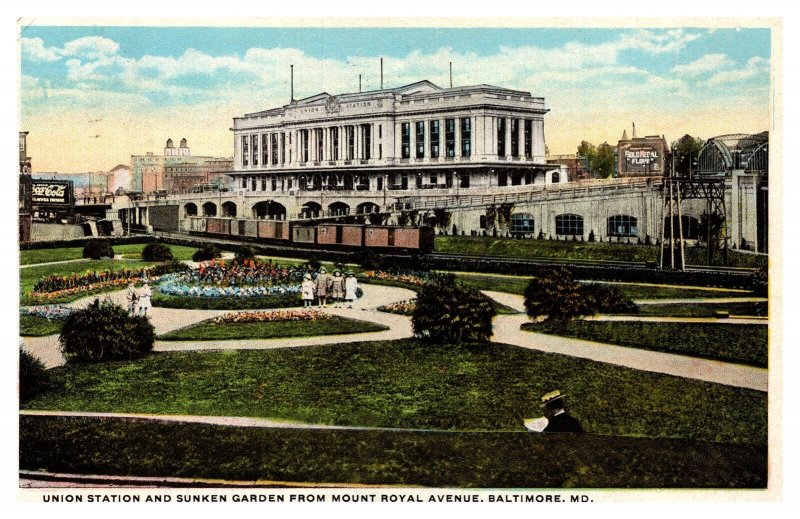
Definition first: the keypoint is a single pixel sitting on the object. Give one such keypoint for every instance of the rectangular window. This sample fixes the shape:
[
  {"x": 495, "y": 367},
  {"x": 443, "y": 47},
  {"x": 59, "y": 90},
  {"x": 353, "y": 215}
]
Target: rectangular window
[
  {"x": 263, "y": 183},
  {"x": 405, "y": 140},
  {"x": 502, "y": 178},
  {"x": 450, "y": 138},
  {"x": 351, "y": 142},
  {"x": 528, "y": 138},
  {"x": 463, "y": 180},
  {"x": 274, "y": 183},
  {"x": 380, "y": 131},
  {"x": 420, "y": 138},
  {"x": 501, "y": 137},
  {"x": 366, "y": 131},
  {"x": 252, "y": 183},
  {"x": 274, "y": 150},
  {"x": 283, "y": 148},
  {"x": 434, "y": 179},
  {"x": 466, "y": 136},
  {"x": 380, "y": 151},
  {"x": 434, "y": 132},
  {"x": 245, "y": 151},
  {"x": 380, "y": 184},
  {"x": 482, "y": 223},
  {"x": 265, "y": 149},
  {"x": 304, "y": 145},
  {"x": 320, "y": 143},
  {"x": 335, "y": 143},
  {"x": 244, "y": 183},
  {"x": 254, "y": 139},
  {"x": 515, "y": 137}
]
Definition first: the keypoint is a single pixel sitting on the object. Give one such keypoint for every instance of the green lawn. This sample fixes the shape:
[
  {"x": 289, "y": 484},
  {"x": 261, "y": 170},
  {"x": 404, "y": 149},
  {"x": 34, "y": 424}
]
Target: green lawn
[
  {"x": 757, "y": 309},
  {"x": 742, "y": 343},
  {"x": 411, "y": 384},
  {"x": 134, "y": 251},
  {"x": 575, "y": 251},
  {"x": 207, "y": 331},
  {"x": 36, "y": 326},
  {"x": 403, "y": 458},
  {"x": 674, "y": 292},
  {"x": 130, "y": 251}
]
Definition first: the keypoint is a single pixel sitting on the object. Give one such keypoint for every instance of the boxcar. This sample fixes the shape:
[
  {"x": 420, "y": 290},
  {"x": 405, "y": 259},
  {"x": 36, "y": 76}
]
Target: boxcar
[
  {"x": 218, "y": 226},
  {"x": 273, "y": 230},
  {"x": 340, "y": 234},
  {"x": 418, "y": 239},
  {"x": 304, "y": 235}
]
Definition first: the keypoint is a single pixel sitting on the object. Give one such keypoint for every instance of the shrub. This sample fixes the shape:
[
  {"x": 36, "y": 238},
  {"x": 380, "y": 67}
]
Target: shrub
[
  {"x": 207, "y": 252},
  {"x": 244, "y": 253},
  {"x": 98, "y": 249},
  {"x": 557, "y": 296},
  {"x": 33, "y": 378},
  {"x": 104, "y": 331},
  {"x": 759, "y": 281},
  {"x": 156, "y": 252},
  {"x": 451, "y": 313},
  {"x": 609, "y": 300}
]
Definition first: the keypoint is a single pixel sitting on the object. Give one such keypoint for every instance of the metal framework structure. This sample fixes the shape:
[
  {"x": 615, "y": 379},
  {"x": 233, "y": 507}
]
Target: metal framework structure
[{"x": 676, "y": 189}]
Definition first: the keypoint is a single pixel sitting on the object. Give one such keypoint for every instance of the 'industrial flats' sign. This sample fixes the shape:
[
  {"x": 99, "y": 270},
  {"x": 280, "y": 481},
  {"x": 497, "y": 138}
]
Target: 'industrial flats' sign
[{"x": 51, "y": 192}]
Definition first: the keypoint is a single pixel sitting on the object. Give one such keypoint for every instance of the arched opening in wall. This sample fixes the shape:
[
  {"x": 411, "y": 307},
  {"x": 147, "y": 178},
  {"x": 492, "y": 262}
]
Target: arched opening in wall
[
  {"x": 338, "y": 209},
  {"x": 269, "y": 210},
  {"x": 622, "y": 225},
  {"x": 367, "y": 208},
  {"x": 569, "y": 225},
  {"x": 209, "y": 209},
  {"x": 690, "y": 224},
  {"x": 190, "y": 209},
  {"x": 310, "y": 210},
  {"x": 521, "y": 223},
  {"x": 229, "y": 209},
  {"x": 555, "y": 178}
]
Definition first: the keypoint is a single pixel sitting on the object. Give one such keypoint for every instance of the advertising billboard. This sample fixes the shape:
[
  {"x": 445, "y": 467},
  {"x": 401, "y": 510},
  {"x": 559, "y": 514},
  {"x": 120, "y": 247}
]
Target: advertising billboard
[{"x": 54, "y": 194}]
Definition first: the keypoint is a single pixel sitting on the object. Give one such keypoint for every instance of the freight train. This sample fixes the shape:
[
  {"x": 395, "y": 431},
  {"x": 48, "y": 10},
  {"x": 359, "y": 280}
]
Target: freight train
[{"x": 416, "y": 240}]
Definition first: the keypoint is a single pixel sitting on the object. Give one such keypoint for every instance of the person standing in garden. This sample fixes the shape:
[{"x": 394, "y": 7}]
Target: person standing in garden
[
  {"x": 132, "y": 298},
  {"x": 324, "y": 285},
  {"x": 307, "y": 291},
  {"x": 350, "y": 288},
  {"x": 145, "y": 296},
  {"x": 337, "y": 289}
]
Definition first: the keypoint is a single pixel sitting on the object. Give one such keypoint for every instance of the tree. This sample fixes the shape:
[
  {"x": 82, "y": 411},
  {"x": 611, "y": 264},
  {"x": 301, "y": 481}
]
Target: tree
[
  {"x": 447, "y": 312},
  {"x": 603, "y": 162},
  {"x": 104, "y": 331},
  {"x": 156, "y": 252},
  {"x": 557, "y": 296},
  {"x": 98, "y": 249},
  {"x": 442, "y": 218},
  {"x": 207, "y": 252},
  {"x": 33, "y": 378},
  {"x": 587, "y": 150},
  {"x": 686, "y": 151}
]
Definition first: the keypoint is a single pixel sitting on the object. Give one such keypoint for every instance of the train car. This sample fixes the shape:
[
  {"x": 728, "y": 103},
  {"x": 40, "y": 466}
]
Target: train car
[
  {"x": 304, "y": 235},
  {"x": 273, "y": 230},
  {"x": 218, "y": 226},
  {"x": 340, "y": 234},
  {"x": 419, "y": 239}
]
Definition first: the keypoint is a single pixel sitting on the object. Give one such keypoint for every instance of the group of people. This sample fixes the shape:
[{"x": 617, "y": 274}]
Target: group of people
[
  {"x": 139, "y": 301},
  {"x": 337, "y": 288},
  {"x": 247, "y": 272}
]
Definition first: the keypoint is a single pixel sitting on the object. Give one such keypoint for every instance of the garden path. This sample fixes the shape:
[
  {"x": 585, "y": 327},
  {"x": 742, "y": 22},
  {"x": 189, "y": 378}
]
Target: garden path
[
  {"x": 506, "y": 330},
  {"x": 79, "y": 260}
]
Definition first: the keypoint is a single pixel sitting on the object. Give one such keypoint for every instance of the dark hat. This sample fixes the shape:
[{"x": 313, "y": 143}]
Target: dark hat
[{"x": 551, "y": 397}]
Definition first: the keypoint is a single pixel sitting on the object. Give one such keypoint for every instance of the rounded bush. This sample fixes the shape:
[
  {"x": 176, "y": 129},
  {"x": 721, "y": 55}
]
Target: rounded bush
[
  {"x": 98, "y": 249},
  {"x": 452, "y": 313},
  {"x": 104, "y": 331},
  {"x": 156, "y": 252},
  {"x": 207, "y": 252},
  {"x": 558, "y": 297},
  {"x": 33, "y": 378},
  {"x": 245, "y": 253}
]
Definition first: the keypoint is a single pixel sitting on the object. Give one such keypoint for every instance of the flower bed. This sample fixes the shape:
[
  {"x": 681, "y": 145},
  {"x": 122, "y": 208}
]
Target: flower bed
[
  {"x": 392, "y": 278},
  {"x": 406, "y": 307},
  {"x": 54, "y": 312},
  {"x": 278, "y": 315}
]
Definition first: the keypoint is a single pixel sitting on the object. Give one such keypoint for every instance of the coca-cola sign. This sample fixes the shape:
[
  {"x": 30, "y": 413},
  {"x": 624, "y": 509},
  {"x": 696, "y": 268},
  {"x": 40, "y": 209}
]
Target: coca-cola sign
[{"x": 51, "y": 192}]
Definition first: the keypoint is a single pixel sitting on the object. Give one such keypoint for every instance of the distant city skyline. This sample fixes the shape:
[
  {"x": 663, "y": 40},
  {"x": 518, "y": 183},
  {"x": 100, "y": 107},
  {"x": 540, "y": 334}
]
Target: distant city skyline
[{"x": 93, "y": 96}]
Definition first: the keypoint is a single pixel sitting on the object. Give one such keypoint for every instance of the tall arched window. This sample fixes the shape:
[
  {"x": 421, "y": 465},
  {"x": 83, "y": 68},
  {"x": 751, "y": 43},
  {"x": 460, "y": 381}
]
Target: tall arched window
[
  {"x": 521, "y": 223},
  {"x": 556, "y": 178},
  {"x": 622, "y": 225},
  {"x": 569, "y": 225}
]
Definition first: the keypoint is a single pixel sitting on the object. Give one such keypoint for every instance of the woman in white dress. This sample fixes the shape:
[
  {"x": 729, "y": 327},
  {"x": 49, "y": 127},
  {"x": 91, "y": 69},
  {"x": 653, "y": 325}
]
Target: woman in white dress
[
  {"x": 145, "y": 296},
  {"x": 350, "y": 288}
]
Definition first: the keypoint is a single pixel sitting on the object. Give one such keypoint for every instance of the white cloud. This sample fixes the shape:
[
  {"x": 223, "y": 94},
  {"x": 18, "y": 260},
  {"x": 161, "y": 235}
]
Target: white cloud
[
  {"x": 703, "y": 65},
  {"x": 90, "y": 47},
  {"x": 657, "y": 43},
  {"x": 754, "y": 67},
  {"x": 35, "y": 50}
]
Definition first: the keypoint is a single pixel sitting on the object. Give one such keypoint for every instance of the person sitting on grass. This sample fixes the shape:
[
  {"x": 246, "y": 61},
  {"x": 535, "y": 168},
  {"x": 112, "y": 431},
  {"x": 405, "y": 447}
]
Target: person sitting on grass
[
  {"x": 307, "y": 291},
  {"x": 556, "y": 419}
]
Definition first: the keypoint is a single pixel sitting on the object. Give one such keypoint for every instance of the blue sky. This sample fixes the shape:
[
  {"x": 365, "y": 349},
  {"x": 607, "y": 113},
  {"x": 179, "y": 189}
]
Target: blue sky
[{"x": 124, "y": 90}]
